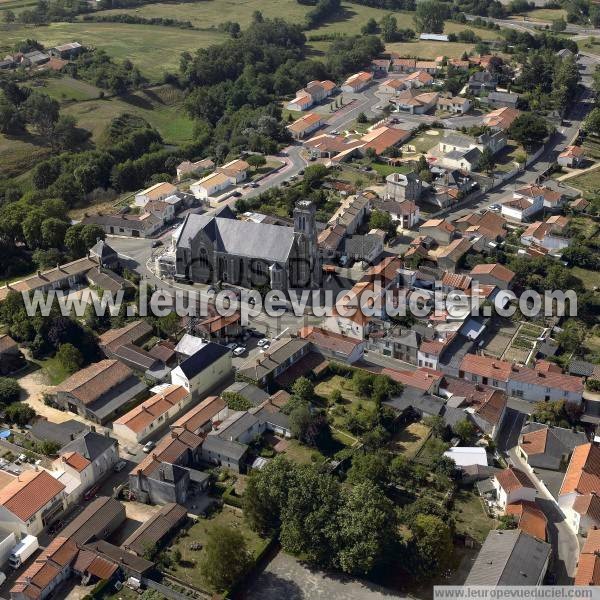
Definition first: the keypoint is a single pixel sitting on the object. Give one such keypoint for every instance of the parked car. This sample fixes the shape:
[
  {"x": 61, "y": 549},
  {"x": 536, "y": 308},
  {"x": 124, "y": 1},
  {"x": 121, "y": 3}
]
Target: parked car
[
  {"x": 91, "y": 493},
  {"x": 496, "y": 207},
  {"x": 119, "y": 466},
  {"x": 265, "y": 347},
  {"x": 232, "y": 346},
  {"x": 239, "y": 351},
  {"x": 236, "y": 194},
  {"x": 156, "y": 243},
  {"x": 149, "y": 446},
  {"x": 263, "y": 342},
  {"x": 254, "y": 184}
]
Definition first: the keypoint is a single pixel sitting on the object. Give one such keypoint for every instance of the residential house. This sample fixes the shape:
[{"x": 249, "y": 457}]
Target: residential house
[
  {"x": 143, "y": 420},
  {"x": 588, "y": 565},
  {"x": 328, "y": 145},
  {"x": 357, "y": 82},
  {"x": 440, "y": 230},
  {"x": 392, "y": 86},
  {"x": 99, "y": 391},
  {"x": 501, "y": 118},
  {"x": 135, "y": 332},
  {"x": 204, "y": 370},
  {"x": 211, "y": 185},
  {"x": 546, "y": 447},
  {"x": 305, "y": 125},
  {"x": 248, "y": 391},
  {"x": 83, "y": 462},
  {"x": 571, "y": 156},
  {"x": 379, "y": 140},
  {"x": 417, "y": 79},
  {"x": 106, "y": 256},
  {"x": 158, "y": 191},
  {"x": 34, "y": 59},
  {"x": 405, "y": 214},
  {"x": 482, "y": 81},
  {"x": 521, "y": 209},
  {"x": 399, "y": 343},
  {"x": 31, "y": 501},
  {"x": 366, "y": 248},
  {"x": 314, "y": 92},
  {"x": 275, "y": 361},
  {"x": 403, "y": 65},
  {"x": 161, "y": 209},
  {"x": 483, "y": 405},
  {"x": 380, "y": 66},
  {"x": 529, "y": 383},
  {"x": 67, "y": 51},
  {"x": 565, "y": 53},
  {"x": 529, "y": 518},
  {"x": 414, "y": 102},
  {"x": 579, "y": 495},
  {"x": 11, "y": 358},
  {"x": 302, "y": 101},
  {"x": 502, "y": 99},
  {"x": 550, "y": 198},
  {"x": 403, "y": 186},
  {"x": 220, "y": 329},
  {"x": 455, "y": 104},
  {"x": 59, "y": 433},
  {"x": 144, "y": 225},
  {"x": 236, "y": 169},
  {"x": 513, "y": 485},
  {"x": 463, "y": 152},
  {"x": 191, "y": 168},
  {"x": 168, "y": 473},
  {"x": 350, "y": 214},
  {"x": 510, "y": 557},
  {"x": 579, "y": 205},
  {"x": 333, "y": 345},
  {"x": 492, "y": 274},
  {"x": 549, "y": 234},
  {"x": 200, "y": 419},
  {"x": 188, "y": 345}
]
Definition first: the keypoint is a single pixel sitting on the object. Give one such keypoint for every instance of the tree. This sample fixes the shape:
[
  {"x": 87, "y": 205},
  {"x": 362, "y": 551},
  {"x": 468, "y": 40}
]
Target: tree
[
  {"x": 591, "y": 124},
  {"x": 53, "y": 232},
  {"x": 303, "y": 389},
  {"x": 370, "y": 27},
  {"x": 256, "y": 160},
  {"x": 10, "y": 118},
  {"x": 19, "y": 413},
  {"x": 235, "y": 401},
  {"x": 371, "y": 467},
  {"x": 558, "y": 25},
  {"x": 466, "y": 431},
  {"x": 299, "y": 419},
  {"x": 335, "y": 397},
  {"x": 436, "y": 424},
  {"x": 389, "y": 28},
  {"x": 365, "y": 532},
  {"x": 42, "y": 112},
  {"x": 487, "y": 162},
  {"x": 361, "y": 118},
  {"x": 70, "y": 358},
  {"x": 47, "y": 448},
  {"x": 432, "y": 544},
  {"x": 9, "y": 16},
  {"x": 529, "y": 129},
  {"x": 10, "y": 390},
  {"x": 362, "y": 383},
  {"x": 429, "y": 16},
  {"x": 381, "y": 220},
  {"x": 226, "y": 557}
]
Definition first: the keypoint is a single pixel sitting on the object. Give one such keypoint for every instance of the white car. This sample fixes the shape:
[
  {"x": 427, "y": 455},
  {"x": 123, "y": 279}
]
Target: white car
[
  {"x": 263, "y": 342},
  {"x": 232, "y": 346},
  {"x": 239, "y": 351},
  {"x": 265, "y": 347},
  {"x": 149, "y": 446}
]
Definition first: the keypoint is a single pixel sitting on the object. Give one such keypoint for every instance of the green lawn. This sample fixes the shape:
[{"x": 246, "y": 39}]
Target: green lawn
[
  {"x": 188, "y": 569},
  {"x": 426, "y": 140},
  {"x": 66, "y": 89},
  {"x": 18, "y": 154},
  {"x": 408, "y": 441},
  {"x": 302, "y": 454},
  {"x": 54, "y": 370},
  {"x": 590, "y": 279},
  {"x": 542, "y": 14},
  {"x": 384, "y": 169},
  {"x": 154, "y": 49},
  {"x": 471, "y": 518}
]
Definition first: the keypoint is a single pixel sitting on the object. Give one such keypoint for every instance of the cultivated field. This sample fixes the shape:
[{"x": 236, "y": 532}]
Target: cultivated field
[{"x": 155, "y": 50}]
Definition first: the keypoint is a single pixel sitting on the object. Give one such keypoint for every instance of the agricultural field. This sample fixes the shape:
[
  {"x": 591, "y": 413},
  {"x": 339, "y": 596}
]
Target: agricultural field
[
  {"x": 153, "y": 49},
  {"x": 541, "y": 14},
  {"x": 66, "y": 89},
  {"x": 20, "y": 154},
  {"x": 586, "y": 182},
  {"x": 205, "y": 15}
]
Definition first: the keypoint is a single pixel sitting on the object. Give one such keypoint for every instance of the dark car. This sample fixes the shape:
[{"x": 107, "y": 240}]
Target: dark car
[
  {"x": 156, "y": 243},
  {"x": 236, "y": 194}
]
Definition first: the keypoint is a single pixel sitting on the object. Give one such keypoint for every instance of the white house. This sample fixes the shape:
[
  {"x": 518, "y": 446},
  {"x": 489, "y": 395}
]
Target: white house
[
  {"x": 467, "y": 456},
  {"x": 579, "y": 495},
  {"x": 236, "y": 169},
  {"x": 305, "y": 125},
  {"x": 521, "y": 209},
  {"x": 571, "y": 156},
  {"x": 143, "y": 420},
  {"x": 30, "y": 502},
  {"x": 202, "y": 371},
  {"x": 547, "y": 234},
  {"x": 211, "y": 185},
  {"x": 512, "y": 485},
  {"x": 357, "y": 82},
  {"x": 158, "y": 191},
  {"x": 456, "y": 105}
]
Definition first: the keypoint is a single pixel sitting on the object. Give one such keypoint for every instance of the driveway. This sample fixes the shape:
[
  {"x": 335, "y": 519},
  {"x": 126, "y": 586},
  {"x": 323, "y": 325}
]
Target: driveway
[{"x": 286, "y": 577}]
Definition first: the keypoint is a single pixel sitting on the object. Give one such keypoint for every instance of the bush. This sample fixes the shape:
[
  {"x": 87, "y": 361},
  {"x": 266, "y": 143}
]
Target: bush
[{"x": 10, "y": 390}]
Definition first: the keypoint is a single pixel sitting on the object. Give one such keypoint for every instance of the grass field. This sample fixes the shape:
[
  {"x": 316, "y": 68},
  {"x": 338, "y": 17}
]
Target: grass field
[
  {"x": 409, "y": 440},
  {"x": 169, "y": 119},
  {"x": 155, "y": 50},
  {"x": 590, "y": 279},
  {"x": 541, "y": 14},
  {"x": 65, "y": 89},
  {"x": 20, "y": 154},
  {"x": 212, "y": 13},
  {"x": 586, "y": 182}
]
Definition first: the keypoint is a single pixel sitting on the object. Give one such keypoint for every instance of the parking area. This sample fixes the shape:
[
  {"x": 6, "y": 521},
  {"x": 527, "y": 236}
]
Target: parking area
[{"x": 286, "y": 577}]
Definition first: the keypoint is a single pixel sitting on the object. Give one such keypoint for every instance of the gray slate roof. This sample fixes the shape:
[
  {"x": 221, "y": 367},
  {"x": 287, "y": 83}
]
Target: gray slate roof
[
  {"x": 240, "y": 238},
  {"x": 560, "y": 443},
  {"x": 510, "y": 557},
  {"x": 249, "y": 391},
  {"x": 233, "y": 450},
  {"x": 91, "y": 445}
]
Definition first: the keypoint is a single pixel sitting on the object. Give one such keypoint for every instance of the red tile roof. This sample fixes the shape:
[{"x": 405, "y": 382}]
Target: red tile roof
[
  {"x": 423, "y": 379},
  {"x": 495, "y": 270},
  {"x": 529, "y": 518},
  {"x": 75, "y": 460},
  {"x": 512, "y": 479},
  {"x": 329, "y": 340},
  {"x": 588, "y": 566},
  {"x": 583, "y": 472},
  {"x": 29, "y": 493},
  {"x": 198, "y": 416}
]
